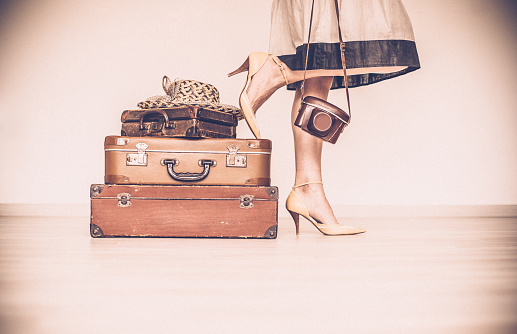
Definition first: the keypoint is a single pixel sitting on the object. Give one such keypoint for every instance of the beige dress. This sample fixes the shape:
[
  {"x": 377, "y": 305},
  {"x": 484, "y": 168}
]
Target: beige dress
[{"x": 379, "y": 38}]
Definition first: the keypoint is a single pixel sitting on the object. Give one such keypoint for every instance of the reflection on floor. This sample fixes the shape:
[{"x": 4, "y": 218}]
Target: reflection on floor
[{"x": 402, "y": 276}]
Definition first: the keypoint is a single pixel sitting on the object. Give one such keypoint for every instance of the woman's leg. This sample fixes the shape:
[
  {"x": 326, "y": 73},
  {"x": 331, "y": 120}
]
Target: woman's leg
[
  {"x": 307, "y": 149},
  {"x": 269, "y": 79}
]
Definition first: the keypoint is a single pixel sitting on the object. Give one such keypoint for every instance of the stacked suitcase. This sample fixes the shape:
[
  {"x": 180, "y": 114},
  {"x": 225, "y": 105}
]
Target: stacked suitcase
[{"x": 181, "y": 172}]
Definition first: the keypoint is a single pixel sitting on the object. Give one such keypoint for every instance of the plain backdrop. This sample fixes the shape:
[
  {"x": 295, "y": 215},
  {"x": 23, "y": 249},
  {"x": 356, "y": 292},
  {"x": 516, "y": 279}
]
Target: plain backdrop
[{"x": 443, "y": 135}]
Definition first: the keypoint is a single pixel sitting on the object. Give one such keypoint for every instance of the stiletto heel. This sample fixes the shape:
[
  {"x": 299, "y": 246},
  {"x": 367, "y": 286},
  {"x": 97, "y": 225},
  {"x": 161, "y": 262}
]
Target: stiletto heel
[
  {"x": 242, "y": 68},
  {"x": 296, "y": 207},
  {"x": 253, "y": 64},
  {"x": 296, "y": 218}
]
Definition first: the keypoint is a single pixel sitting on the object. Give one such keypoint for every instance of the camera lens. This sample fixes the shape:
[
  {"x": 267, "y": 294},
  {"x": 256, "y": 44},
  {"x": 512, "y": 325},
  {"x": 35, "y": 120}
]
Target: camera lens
[{"x": 322, "y": 121}]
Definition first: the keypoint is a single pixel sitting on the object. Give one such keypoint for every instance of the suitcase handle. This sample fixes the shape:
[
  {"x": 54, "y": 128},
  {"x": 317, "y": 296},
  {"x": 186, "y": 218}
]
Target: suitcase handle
[
  {"x": 188, "y": 177},
  {"x": 154, "y": 111}
]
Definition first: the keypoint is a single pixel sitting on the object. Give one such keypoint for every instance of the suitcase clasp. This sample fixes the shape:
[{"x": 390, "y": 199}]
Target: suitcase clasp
[
  {"x": 139, "y": 158},
  {"x": 124, "y": 200},
  {"x": 235, "y": 160},
  {"x": 246, "y": 201}
]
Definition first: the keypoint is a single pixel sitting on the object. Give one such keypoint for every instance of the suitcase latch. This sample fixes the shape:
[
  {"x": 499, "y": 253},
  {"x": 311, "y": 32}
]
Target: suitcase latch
[
  {"x": 246, "y": 201},
  {"x": 152, "y": 127},
  {"x": 124, "y": 200},
  {"x": 235, "y": 160},
  {"x": 139, "y": 158}
]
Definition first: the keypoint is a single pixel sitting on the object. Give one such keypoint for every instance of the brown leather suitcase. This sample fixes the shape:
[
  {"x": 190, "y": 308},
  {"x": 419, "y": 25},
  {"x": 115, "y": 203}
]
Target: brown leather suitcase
[
  {"x": 181, "y": 161},
  {"x": 183, "y": 211},
  {"x": 189, "y": 122}
]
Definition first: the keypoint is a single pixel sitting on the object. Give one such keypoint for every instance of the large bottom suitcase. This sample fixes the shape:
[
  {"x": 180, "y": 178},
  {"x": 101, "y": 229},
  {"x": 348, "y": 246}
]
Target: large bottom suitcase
[
  {"x": 181, "y": 161},
  {"x": 183, "y": 211}
]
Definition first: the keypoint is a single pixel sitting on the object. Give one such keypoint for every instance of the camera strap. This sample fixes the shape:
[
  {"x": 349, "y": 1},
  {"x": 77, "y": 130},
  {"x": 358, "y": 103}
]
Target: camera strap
[{"x": 342, "y": 49}]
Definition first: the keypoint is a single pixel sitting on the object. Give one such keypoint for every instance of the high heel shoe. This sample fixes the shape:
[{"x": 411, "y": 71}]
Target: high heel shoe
[
  {"x": 296, "y": 207},
  {"x": 253, "y": 64}
]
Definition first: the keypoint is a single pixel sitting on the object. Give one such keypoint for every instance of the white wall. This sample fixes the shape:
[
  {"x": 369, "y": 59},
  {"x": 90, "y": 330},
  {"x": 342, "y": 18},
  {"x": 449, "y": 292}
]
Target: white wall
[{"x": 444, "y": 135}]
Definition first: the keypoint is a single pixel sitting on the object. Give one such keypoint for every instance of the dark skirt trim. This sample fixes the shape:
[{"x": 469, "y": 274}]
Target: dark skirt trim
[{"x": 358, "y": 54}]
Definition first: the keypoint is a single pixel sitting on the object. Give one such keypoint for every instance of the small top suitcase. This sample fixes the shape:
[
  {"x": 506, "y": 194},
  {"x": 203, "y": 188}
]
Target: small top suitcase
[{"x": 188, "y": 122}]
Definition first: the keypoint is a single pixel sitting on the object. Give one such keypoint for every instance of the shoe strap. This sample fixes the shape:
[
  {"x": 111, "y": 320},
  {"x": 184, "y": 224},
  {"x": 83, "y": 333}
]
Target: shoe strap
[
  {"x": 306, "y": 183},
  {"x": 282, "y": 69}
]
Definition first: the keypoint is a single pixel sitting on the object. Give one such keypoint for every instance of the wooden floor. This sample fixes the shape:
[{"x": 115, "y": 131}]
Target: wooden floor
[{"x": 402, "y": 276}]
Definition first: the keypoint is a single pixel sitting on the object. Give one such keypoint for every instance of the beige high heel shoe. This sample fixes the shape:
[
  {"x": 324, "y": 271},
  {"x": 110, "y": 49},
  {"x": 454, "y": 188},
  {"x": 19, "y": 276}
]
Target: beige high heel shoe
[
  {"x": 253, "y": 64},
  {"x": 296, "y": 207}
]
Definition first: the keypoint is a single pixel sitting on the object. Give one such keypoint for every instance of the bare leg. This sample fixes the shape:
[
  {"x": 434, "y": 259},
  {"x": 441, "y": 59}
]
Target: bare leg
[
  {"x": 269, "y": 79},
  {"x": 307, "y": 150}
]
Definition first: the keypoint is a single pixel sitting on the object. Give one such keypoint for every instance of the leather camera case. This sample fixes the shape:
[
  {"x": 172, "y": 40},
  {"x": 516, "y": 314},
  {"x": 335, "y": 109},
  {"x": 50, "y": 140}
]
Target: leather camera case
[{"x": 321, "y": 119}]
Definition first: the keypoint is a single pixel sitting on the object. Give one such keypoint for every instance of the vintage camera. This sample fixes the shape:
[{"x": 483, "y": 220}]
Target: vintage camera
[{"x": 321, "y": 119}]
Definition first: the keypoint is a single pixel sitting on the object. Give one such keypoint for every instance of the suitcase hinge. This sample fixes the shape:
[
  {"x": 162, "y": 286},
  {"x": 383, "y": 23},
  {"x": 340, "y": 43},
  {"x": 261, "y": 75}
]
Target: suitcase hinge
[
  {"x": 139, "y": 158},
  {"x": 124, "y": 200},
  {"x": 246, "y": 201},
  {"x": 235, "y": 160}
]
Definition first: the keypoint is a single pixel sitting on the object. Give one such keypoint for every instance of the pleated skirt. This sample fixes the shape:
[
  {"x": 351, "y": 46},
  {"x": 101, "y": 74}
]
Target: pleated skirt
[{"x": 378, "y": 35}]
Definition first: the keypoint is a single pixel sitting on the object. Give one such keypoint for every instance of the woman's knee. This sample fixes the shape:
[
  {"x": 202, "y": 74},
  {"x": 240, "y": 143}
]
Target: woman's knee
[{"x": 319, "y": 86}]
